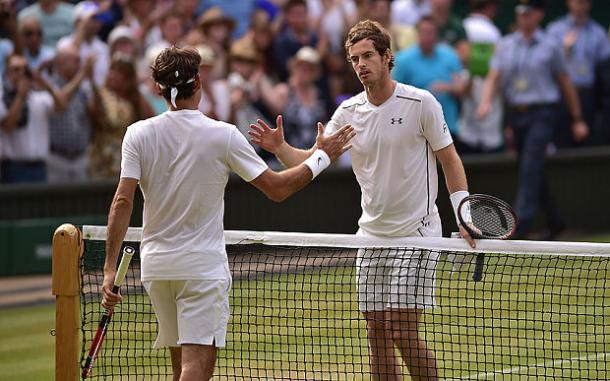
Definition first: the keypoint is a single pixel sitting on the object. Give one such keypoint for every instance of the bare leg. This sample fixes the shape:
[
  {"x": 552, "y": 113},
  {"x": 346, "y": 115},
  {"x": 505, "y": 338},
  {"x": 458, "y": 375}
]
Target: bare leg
[
  {"x": 176, "y": 355},
  {"x": 414, "y": 352},
  {"x": 384, "y": 364},
  {"x": 198, "y": 362}
]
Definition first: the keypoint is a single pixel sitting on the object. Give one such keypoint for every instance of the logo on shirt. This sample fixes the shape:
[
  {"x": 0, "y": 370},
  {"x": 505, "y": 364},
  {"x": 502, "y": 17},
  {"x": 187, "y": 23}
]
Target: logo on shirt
[
  {"x": 396, "y": 120},
  {"x": 444, "y": 128}
]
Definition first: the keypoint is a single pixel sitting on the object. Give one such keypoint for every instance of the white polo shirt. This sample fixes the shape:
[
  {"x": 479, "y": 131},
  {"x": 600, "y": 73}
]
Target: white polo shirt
[
  {"x": 183, "y": 159},
  {"x": 393, "y": 158},
  {"x": 30, "y": 142}
]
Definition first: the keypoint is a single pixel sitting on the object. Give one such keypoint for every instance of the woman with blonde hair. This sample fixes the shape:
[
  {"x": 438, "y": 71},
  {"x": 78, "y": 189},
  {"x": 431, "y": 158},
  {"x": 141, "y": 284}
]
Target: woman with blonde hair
[{"x": 117, "y": 104}]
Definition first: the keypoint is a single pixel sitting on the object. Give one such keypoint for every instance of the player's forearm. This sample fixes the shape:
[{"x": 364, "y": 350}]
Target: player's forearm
[
  {"x": 293, "y": 180},
  {"x": 278, "y": 186},
  {"x": 290, "y": 156},
  {"x": 455, "y": 175},
  {"x": 118, "y": 223}
]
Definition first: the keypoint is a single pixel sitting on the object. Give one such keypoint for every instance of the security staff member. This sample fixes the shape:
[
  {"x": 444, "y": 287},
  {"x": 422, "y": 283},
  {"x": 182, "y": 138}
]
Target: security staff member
[
  {"x": 531, "y": 71},
  {"x": 585, "y": 44}
]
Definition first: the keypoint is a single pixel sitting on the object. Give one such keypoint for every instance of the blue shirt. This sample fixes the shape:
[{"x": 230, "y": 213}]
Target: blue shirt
[
  {"x": 415, "y": 68},
  {"x": 529, "y": 69},
  {"x": 590, "y": 48},
  {"x": 55, "y": 25},
  {"x": 6, "y": 49}
]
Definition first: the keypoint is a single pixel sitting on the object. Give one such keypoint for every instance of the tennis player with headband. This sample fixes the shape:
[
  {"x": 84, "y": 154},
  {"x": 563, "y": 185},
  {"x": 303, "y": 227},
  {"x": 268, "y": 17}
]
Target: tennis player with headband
[
  {"x": 401, "y": 132},
  {"x": 182, "y": 160}
]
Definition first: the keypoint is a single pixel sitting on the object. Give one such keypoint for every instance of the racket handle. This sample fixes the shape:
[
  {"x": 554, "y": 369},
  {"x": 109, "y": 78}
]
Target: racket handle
[{"x": 477, "y": 275}]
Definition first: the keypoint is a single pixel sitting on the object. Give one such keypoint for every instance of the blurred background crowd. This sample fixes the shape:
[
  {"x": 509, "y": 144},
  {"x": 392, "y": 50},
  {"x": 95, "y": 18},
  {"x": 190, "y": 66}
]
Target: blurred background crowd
[{"x": 75, "y": 74}]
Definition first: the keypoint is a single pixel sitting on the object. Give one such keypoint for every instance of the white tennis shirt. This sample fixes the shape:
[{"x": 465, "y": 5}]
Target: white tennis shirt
[
  {"x": 182, "y": 160},
  {"x": 393, "y": 158}
]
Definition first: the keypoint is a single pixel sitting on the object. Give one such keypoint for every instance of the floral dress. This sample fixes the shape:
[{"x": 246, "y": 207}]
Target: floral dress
[{"x": 117, "y": 115}]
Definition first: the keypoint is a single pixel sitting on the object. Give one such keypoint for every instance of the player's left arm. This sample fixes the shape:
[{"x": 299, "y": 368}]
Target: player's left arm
[
  {"x": 455, "y": 178},
  {"x": 120, "y": 212},
  {"x": 118, "y": 222}
]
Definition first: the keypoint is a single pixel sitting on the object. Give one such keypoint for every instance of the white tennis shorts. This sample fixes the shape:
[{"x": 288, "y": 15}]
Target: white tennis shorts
[
  {"x": 190, "y": 311},
  {"x": 398, "y": 278}
]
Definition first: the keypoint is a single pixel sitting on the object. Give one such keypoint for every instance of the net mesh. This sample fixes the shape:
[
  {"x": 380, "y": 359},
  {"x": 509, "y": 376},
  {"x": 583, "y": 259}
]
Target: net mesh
[{"x": 295, "y": 315}]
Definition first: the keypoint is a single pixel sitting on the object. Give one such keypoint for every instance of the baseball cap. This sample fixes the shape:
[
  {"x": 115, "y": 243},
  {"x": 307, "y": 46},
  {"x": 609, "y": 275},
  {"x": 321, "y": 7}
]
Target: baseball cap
[
  {"x": 528, "y": 5},
  {"x": 118, "y": 33}
]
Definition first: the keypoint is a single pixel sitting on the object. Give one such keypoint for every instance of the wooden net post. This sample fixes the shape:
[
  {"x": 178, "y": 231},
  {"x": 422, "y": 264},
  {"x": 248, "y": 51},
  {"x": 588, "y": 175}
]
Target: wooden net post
[{"x": 67, "y": 250}]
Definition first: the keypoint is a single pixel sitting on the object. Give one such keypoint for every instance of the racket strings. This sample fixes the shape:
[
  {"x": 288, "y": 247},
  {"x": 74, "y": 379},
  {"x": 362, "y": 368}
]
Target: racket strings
[{"x": 491, "y": 219}]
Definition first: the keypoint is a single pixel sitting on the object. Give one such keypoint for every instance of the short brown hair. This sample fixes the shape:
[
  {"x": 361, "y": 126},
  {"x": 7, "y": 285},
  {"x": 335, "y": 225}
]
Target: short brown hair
[
  {"x": 373, "y": 31},
  {"x": 174, "y": 67}
]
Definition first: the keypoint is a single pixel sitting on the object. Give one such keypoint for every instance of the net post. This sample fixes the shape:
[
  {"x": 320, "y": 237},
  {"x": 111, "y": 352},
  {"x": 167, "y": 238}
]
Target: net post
[{"x": 67, "y": 250}]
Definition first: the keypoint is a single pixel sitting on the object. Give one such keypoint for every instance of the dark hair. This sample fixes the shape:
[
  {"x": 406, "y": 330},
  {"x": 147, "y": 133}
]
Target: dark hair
[
  {"x": 479, "y": 5},
  {"x": 373, "y": 31},
  {"x": 126, "y": 66},
  {"x": 424, "y": 19},
  {"x": 294, "y": 3},
  {"x": 174, "y": 67}
]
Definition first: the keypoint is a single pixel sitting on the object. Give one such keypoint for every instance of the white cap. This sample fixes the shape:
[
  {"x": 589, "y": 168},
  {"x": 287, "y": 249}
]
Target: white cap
[
  {"x": 85, "y": 9},
  {"x": 118, "y": 33}
]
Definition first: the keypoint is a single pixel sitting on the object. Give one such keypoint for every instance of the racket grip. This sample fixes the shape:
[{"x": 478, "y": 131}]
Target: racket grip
[{"x": 477, "y": 275}]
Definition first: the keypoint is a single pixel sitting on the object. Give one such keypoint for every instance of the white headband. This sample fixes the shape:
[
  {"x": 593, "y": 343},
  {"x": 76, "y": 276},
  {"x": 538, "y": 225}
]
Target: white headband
[{"x": 173, "y": 90}]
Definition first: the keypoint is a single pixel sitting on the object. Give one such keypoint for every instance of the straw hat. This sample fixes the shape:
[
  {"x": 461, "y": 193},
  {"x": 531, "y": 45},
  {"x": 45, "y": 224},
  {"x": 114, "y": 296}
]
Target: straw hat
[
  {"x": 245, "y": 50},
  {"x": 207, "y": 55},
  {"x": 307, "y": 54},
  {"x": 215, "y": 15}
]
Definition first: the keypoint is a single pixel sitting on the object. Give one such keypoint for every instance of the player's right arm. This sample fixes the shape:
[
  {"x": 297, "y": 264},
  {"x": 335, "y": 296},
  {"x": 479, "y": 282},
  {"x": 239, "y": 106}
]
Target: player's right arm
[
  {"x": 272, "y": 140},
  {"x": 279, "y": 185}
]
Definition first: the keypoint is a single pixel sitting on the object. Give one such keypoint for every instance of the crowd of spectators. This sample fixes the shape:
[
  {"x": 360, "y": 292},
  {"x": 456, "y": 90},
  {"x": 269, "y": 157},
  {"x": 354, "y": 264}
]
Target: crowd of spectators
[{"x": 75, "y": 74}]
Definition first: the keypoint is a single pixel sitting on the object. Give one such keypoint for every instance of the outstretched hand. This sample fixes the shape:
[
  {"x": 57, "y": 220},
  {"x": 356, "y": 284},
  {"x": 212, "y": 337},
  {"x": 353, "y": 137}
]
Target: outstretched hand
[
  {"x": 336, "y": 143},
  {"x": 269, "y": 139}
]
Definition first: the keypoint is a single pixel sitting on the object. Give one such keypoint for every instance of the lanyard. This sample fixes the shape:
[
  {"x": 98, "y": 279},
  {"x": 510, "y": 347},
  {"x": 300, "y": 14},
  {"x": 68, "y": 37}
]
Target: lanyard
[{"x": 520, "y": 62}]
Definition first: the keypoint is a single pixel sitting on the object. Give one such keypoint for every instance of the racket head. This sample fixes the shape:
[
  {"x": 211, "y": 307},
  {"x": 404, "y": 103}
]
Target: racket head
[{"x": 487, "y": 217}]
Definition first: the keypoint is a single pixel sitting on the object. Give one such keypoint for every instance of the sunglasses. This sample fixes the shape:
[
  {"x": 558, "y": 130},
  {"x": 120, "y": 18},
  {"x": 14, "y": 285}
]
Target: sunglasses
[
  {"x": 30, "y": 33},
  {"x": 17, "y": 68}
]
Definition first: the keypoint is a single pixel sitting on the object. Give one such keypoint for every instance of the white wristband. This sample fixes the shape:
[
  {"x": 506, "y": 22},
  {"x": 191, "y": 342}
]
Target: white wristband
[
  {"x": 317, "y": 162},
  {"x": 456, "y": 199}
]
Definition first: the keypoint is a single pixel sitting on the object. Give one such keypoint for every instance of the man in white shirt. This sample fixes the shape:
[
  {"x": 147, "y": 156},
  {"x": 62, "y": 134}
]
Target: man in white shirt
[
  {"x": 400, "y": 132},
  {"x": 24, "y": 122},
  {"x": 182, "y": 160}
]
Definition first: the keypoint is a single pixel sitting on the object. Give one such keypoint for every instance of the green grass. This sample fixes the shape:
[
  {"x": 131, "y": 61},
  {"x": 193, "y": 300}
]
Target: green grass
[
  {"x": 308, "y": 325},
  {"x": 26, "y": 345}
]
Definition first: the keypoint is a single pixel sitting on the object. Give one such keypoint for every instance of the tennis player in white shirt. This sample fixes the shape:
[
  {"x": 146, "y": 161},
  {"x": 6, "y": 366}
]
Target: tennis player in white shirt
[
  {"x": 400, "y": 133},
  {"x": 182, "y": 160}
]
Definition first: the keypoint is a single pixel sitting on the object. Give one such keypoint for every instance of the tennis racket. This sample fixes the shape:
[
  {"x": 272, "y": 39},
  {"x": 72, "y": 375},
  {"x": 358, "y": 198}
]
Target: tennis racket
[
  {"x": 102, "y": 327},
  {"x": 486, "y": 217}
]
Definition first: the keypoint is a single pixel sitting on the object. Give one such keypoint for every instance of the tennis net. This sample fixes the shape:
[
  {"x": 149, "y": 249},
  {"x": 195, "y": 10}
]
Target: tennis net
[{"x": 542, "y": 310}]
